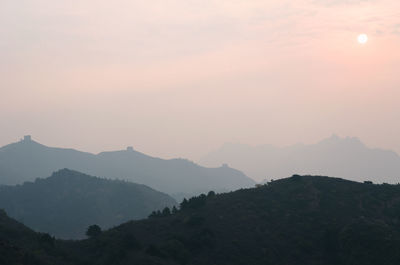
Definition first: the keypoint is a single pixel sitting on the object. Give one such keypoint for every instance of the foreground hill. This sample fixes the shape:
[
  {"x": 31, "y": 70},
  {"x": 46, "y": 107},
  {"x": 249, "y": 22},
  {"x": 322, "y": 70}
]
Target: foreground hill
[
  {"x": 295, "y": 221},
  {"x": 300, "y": 220},
  {"x": 342, "y": 157},
  {"x": 66, "y": 203},
  {"x": 27, "y": 160},
  {"x": 19, "y": 245}
]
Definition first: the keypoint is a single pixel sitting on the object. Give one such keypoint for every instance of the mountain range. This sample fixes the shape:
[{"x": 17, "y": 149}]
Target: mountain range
[
  {"x": 300, "y": 220},
  {"x": 27, "y": 160},
  {"x": 346, "y": 157},
  {"x": 68, "y": 202}
]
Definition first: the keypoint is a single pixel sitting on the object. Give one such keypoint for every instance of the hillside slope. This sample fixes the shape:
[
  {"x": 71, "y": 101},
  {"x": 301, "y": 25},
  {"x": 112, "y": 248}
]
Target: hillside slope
[
  {"x": 300, "y": 220},
  {"x": 66, "y": 203},
  {"x": 20, "y": 245},
  {"x": 27, "y": 160},
  {"x": 295, "y": 221}
]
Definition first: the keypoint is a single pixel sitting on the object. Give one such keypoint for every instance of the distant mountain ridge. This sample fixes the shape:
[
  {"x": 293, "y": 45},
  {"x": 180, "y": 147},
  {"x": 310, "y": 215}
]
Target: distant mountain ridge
[
  {"x": 66, "y": 203},
  {"x": 335, "y": 156},
  {"x": 27, "y": 160}
]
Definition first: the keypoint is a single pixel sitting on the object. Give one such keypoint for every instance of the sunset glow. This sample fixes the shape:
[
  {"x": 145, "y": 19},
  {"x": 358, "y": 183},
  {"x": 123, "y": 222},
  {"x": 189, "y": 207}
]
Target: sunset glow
[{"x": 154, "y": 72}]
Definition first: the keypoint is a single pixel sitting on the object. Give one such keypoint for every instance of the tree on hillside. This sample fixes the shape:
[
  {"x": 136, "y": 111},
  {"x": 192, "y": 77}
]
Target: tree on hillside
[
  {"x": 211, "y": 194},
  {"x": 166, "y": 211},
  {"x": 93, "y": 231},
  {"x": 183, "y": 204}
]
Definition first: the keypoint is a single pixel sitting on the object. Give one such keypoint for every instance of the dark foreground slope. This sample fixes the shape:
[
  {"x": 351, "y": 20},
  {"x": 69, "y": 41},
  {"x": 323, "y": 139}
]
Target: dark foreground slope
[
  {"x": 27, "y": 160},
  {"x": 66, "y": 203},
  {"x": 21, "y": 246},
  {"x": 300, "y": 220}
]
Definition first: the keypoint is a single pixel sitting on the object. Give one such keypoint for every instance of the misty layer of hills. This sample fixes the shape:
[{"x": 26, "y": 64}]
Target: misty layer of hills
[
  {"x": 65, "y": 204},
  {"x": 27, "y": 160},
  {"x": 340, "y": 157},
  {"x": 296, "y": 221}
]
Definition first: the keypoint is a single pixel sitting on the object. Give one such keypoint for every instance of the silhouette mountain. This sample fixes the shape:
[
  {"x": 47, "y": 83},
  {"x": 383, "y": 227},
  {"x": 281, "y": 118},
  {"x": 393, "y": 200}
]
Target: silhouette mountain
[
  {"x": 27, "y": 160},
  {"x": 66, "y": 203},
  {"x": 342, "y": 157},
  {"x": 299, "y": 220},
  {"x": 19, "y": 245}
]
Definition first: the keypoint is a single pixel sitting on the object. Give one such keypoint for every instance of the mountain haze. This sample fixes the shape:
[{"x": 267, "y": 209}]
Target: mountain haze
[
  {"x": 342, "y": 157},
  {"x": 66, "y": 203},
  {"x": 27, "y": 160}
]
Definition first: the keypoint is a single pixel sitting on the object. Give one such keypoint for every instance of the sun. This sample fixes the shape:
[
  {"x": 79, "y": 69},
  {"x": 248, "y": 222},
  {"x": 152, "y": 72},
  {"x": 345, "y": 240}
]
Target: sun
[{"x": 362, "y": 38}]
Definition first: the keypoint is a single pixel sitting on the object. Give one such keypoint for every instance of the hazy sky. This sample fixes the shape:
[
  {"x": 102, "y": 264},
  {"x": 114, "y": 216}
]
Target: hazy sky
[{"x": 181, "y": 77}]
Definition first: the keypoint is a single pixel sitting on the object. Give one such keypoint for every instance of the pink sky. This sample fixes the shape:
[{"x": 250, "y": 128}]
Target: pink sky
[{"x": 181, "y": 77}]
